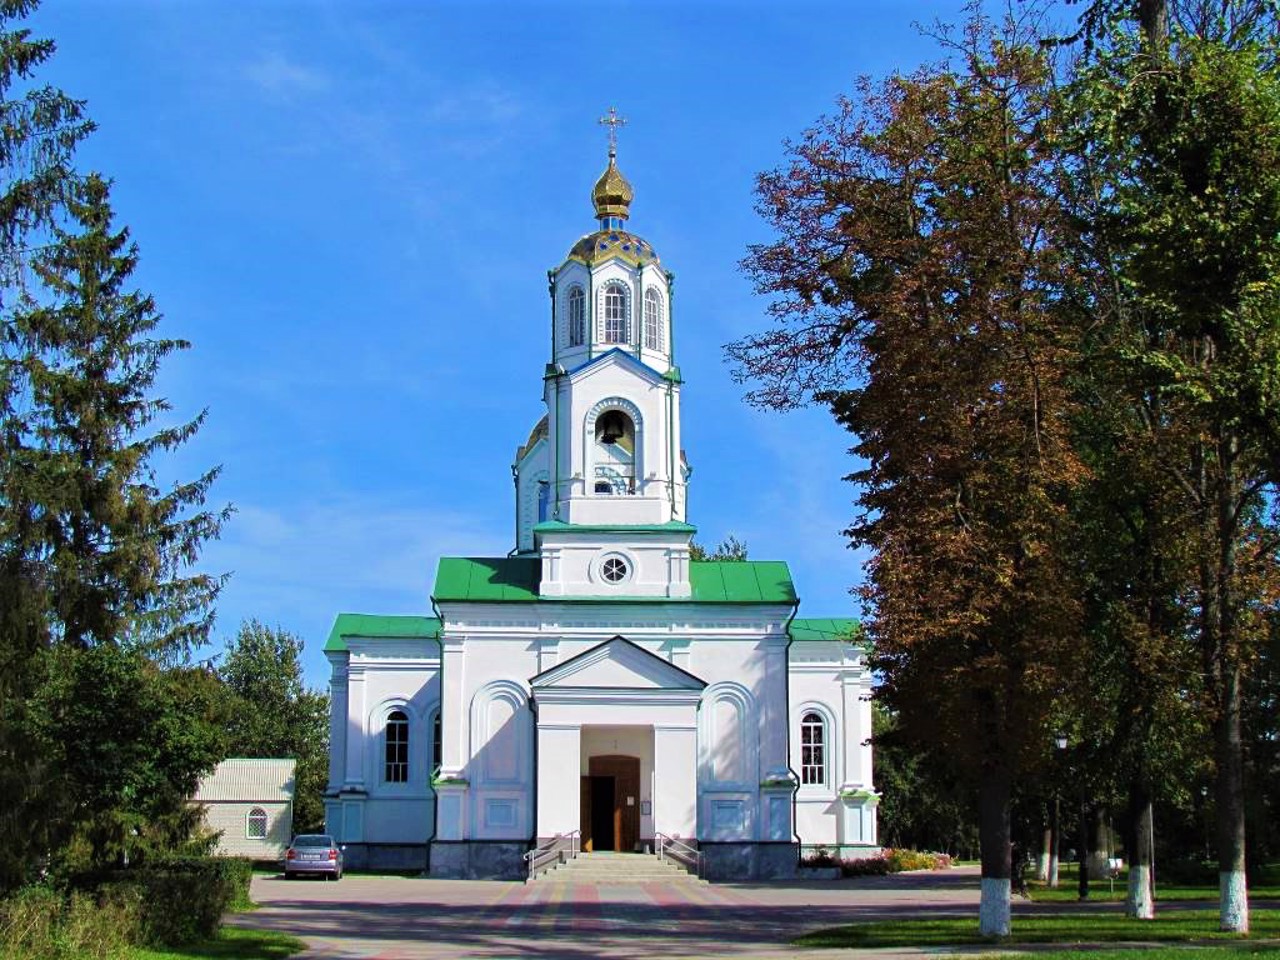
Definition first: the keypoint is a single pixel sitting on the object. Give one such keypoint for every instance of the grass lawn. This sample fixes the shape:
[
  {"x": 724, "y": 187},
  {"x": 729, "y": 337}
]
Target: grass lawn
[
  {"x": 1162, "y": 953},
  {"x": 1066, "y": 929},
  {"x": 231, "y": 942},
  {"x": 1267, "y": 887}
]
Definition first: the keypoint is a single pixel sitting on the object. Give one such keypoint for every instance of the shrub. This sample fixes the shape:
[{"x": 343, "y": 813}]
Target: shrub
[
  {"x": 40, "y": 924},
  {"x": 183, "y": 898},
  {"x": 821, "y": 857},
  {"x": 29, "y": 924},
  {"x": 900, "y": 860},
  {"x": 865, "y": 867}
]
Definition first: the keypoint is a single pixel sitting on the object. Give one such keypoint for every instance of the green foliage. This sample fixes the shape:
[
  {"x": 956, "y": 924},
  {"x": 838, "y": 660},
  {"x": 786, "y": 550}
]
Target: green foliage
[
  {"x": 127, "y": 741},
  {"x": 730, "y": 548},
  {"x": 38, "y": 923},
  {"x": 184, "y": 898},
  {"x": 97, "y": 601},
  {"x": 924, "y": 804},
  {"x": 270, "y": 713}
]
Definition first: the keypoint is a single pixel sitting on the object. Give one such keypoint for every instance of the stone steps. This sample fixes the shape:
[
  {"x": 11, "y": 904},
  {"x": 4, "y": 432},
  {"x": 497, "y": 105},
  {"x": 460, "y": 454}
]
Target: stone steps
[{"x": 618, "y": 868}]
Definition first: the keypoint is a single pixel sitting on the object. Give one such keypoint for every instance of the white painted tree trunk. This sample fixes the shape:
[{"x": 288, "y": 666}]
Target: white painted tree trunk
[
  {"x": 1042, "y": 861},
  {"x": 1141, "y": 905},
  {"x": 1234, "y": 902},
  {"x": 995, "y": 907}
]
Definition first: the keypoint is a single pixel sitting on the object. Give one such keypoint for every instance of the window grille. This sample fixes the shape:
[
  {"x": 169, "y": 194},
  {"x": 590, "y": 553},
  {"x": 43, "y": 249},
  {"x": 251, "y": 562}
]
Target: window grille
[
  {"x": 653, "y": 332},
  {"x": 397, "y": 765},
  {"x": 256, "y": 825},
  {"x": 615, "y": 315},
  {"x": 813, "y": 749}
]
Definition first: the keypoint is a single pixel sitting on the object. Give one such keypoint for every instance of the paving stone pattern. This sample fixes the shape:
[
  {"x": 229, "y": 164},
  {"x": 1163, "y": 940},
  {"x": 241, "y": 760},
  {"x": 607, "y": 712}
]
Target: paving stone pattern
[{"x": 394, "y": 918}]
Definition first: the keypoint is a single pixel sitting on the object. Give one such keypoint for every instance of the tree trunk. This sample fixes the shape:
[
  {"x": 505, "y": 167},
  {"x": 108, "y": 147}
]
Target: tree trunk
[
  {"x": 1232, "y": 889},
  {"x": 1082, "y": 854},
  {"x": 994, "y": 833},
  {"x": 1219, "y": 639},
  {"x": 1055, "y": 844},
  {"x": 1141, "y": 903},
  {"x": 1153, "y": 17},
  {"x": 1101, "y": 843},
  {"x": 1046, "y": 853}
]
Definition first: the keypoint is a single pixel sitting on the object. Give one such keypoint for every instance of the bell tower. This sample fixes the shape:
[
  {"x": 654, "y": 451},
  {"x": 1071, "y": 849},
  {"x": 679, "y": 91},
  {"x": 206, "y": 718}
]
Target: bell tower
[{"x": 604, "y": 467}]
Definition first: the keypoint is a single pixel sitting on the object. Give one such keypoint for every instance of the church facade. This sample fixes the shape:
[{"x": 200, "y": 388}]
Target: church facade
[{"x": 598, "y": 679}]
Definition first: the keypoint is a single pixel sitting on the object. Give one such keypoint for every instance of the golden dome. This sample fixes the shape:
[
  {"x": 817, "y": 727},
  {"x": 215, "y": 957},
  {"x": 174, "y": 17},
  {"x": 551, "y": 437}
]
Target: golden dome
[{"x": 612, "y": 194}]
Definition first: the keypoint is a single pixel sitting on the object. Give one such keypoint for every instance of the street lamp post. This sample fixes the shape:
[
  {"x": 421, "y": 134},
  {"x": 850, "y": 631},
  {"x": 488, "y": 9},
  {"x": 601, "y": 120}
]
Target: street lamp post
[{"x": 1060, "y": 741}]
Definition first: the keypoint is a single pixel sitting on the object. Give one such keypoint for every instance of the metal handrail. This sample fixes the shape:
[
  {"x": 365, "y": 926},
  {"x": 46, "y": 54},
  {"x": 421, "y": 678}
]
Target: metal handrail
[
  {"x": 688, "y": 856},
  {"x": 553, "y": 850}
]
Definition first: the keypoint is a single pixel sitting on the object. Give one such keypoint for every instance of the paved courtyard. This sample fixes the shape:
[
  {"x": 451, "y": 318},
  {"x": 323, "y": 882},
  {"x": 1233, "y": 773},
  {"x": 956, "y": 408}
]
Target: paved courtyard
[{"x": 394, "y": 918}]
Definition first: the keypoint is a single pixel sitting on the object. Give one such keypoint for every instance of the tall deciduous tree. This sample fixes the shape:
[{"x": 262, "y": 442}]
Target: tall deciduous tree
[
  {"x": 273, "y": 714},
  {"x": 1185, "y": 149},
  {"x": 918, "y": 258}
]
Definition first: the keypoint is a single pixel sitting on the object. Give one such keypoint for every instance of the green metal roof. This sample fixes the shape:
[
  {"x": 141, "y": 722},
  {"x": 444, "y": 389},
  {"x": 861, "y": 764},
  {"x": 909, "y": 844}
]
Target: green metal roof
[
  {"x": 741, "y": 581},
  {"x": 808, "y": 629},
  {"x": 371, "y": 625},
  {"x": 515, "y": 579},
  {"x": 559, "y": 526},
  {"x": 491, "y": 579}
]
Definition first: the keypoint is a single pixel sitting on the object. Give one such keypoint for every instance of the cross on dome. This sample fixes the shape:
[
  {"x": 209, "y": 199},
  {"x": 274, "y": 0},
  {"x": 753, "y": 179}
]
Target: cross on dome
[
  {"x": 612, "y": 194},
  {"x": 613, "y": 122}
]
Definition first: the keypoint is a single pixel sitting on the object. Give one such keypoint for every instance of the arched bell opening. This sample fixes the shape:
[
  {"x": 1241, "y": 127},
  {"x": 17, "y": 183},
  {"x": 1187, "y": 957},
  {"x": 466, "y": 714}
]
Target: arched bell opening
[{"x": 615, "y": 454}]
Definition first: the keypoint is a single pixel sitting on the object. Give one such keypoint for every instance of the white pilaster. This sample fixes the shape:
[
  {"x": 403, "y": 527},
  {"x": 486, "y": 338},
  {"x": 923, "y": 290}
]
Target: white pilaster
[
  {"x": 337, "y": 720},
  {"x": 675, "y": 776},
  {"x": 773, "y": 719},
  {"x": 453, "y": 749},
  {"x": 856, "y": 710},
  {"x": 559, "y": 770},
  {"x": 356, "y": 732}
]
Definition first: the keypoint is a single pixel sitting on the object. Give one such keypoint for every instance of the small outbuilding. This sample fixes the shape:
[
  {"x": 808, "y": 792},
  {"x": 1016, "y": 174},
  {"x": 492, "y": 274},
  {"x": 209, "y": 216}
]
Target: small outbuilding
[{"x": 250, "y": 802}]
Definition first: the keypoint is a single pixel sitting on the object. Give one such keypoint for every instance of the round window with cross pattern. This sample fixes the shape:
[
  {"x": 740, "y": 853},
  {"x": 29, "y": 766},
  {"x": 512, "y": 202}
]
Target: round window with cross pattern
[{"x": 614, "y": 569}]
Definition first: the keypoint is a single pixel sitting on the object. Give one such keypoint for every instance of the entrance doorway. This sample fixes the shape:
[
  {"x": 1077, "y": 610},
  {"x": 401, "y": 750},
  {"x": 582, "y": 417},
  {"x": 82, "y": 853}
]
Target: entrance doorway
[{"x": 611, "y": 804}]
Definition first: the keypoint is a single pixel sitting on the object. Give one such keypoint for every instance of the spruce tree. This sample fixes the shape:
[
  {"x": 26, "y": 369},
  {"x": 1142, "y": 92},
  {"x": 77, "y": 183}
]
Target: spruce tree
[
  {"x": 95, "y": 553},
  {"x": 39, "y": 129}
]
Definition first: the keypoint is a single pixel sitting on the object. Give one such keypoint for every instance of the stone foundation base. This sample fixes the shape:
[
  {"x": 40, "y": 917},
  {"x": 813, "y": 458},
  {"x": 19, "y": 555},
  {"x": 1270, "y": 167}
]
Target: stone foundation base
[
  {"x": 733, "y": 862},
  {"x": 478, "y": 859},
  {"x": 385, "y": 856}
]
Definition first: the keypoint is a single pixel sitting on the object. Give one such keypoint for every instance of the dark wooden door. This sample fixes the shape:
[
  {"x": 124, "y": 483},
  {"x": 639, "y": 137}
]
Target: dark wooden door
[
  {"x": 584, "y": 799},
  {"x": 625, "y": 772}
]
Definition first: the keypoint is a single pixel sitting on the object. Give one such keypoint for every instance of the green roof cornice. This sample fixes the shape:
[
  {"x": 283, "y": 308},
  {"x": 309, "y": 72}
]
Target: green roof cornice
[{"x": 378, "y": 627}]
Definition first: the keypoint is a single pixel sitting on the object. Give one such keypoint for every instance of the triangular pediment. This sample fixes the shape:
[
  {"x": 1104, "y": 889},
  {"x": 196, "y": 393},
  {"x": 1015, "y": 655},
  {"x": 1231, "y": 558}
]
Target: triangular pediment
[
  {"x": 614, "y": 357},
  {"x": 616, "y": 664}
]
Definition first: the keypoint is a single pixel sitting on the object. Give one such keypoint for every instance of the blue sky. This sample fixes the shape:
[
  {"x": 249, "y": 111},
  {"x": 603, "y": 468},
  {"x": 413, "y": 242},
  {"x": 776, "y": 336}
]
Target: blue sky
[{"x": 349, "y": 208}]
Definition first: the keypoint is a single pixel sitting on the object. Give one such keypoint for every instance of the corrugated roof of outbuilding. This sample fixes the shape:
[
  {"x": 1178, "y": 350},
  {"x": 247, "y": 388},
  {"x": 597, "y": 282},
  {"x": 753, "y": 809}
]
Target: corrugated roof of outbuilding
[{"x": 249, "y": 780}]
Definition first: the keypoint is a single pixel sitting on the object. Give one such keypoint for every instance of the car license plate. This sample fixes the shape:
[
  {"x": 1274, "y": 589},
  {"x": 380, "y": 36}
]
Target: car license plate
[{"x": 312, "y": 856}]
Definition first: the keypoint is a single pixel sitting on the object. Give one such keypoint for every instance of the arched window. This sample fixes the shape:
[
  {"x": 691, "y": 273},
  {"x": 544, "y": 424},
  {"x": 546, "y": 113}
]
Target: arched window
[
  {"x": 615, "y": 314},
  {"x": 813, "y": 749},
  {"x": 577, "y": 317},
  {"x": 397, "y": 764},
  {"x": 653, "y": 333},
  {"x": 256, "y": 824},
  {"x": 544, "y": 498}
]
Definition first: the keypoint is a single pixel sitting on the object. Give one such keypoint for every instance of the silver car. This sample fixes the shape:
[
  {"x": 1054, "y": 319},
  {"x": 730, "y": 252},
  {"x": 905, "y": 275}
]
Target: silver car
[{"x": 315, "y": 853}]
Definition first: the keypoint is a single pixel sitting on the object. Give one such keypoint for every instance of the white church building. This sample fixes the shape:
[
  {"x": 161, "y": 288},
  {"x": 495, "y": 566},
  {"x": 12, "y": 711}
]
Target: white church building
[{"x": 598, "y": 680}]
